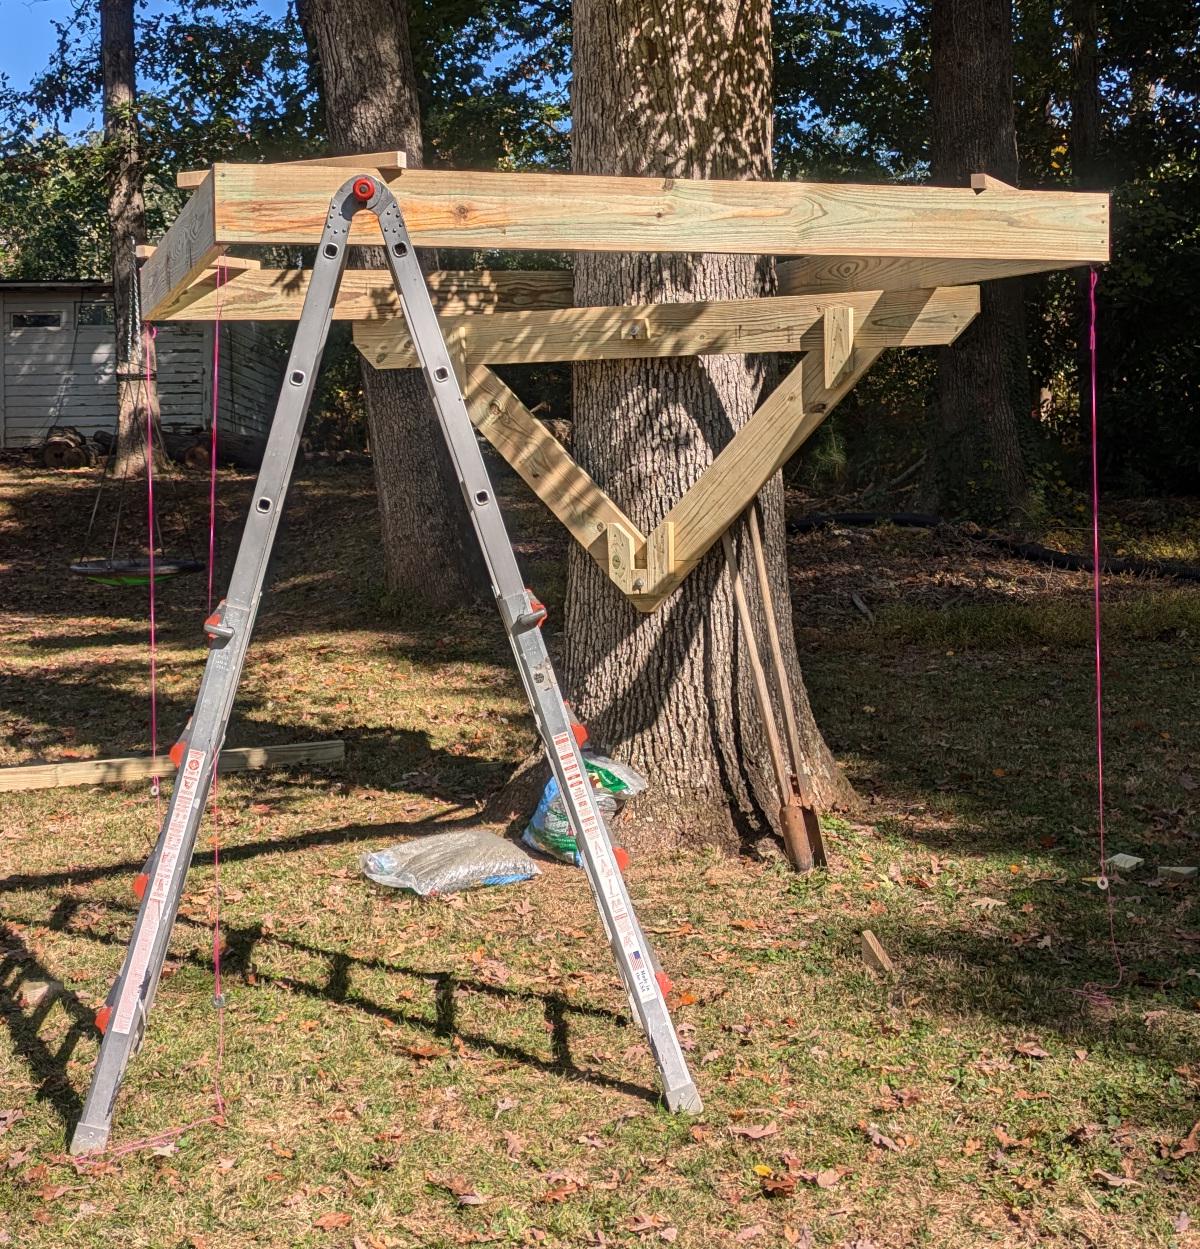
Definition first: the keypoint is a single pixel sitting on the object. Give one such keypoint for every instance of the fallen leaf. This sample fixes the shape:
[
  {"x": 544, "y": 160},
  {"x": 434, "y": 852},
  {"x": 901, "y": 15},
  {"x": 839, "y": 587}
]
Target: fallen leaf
[
  {"x": 971, "y": 1146},
  {"x": 754, "y": 1131},
  {"x": 668, "y": 1234},
  {"x": 1115, "y": 1181},
  {"x": 560, "y": 1193},
  {"x": 1182, "y": 1222},
  {"x": 1030, "y": 1049},
  {"x": 1010, "y": 1142},
  {"x": 753, "y": 1232},
  {"x": 1189, "y": 1145},
  {"x": 878, "y": 1139},
  {"x": 424, "y": 1052},
  {"x": 987, "y": 904},
  {"x": 335, "y": 1218},
  {"x": 459, "y": 1187}
]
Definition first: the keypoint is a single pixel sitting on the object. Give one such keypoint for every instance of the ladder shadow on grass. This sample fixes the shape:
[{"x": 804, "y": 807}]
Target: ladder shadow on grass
[
  {"x": 20, "y": 971},
  {"x": 49, "y": 1065}
]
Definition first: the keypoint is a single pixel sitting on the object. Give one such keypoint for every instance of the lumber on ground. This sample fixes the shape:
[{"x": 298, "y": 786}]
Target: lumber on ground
[{"x": 140, "y": 767}]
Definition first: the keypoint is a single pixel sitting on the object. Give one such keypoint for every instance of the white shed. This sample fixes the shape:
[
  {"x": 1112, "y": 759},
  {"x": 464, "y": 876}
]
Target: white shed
[{"x": 57, "y": 366}]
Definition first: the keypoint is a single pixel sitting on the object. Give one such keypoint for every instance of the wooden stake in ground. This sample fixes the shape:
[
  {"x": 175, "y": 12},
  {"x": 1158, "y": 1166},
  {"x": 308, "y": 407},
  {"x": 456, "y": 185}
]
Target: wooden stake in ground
[
  {"x": 791, "y": 828},
  {"x": 797, "y": 814}
]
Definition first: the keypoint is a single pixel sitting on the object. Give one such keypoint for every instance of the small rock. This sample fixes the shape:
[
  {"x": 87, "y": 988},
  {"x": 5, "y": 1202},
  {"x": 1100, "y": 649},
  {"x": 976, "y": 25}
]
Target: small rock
[{"x": 1124, "y": 862}]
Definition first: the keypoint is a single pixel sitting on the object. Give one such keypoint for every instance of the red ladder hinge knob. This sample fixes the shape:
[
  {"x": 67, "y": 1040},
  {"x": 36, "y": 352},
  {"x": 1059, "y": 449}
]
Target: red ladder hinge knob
[
  {"x": 664, "y": 982},
  {"x": 103, "y": 1015},
  {"x": 363, "y": 188},
  {"x": 622, "y": 857},
  {"x": 175, "y": 754},
  {"x": 140, "y": 881}
]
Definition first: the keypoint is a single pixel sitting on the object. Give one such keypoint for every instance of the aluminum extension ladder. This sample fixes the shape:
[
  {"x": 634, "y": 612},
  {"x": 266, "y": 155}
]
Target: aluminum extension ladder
[{"x": 123, "y": 1019}]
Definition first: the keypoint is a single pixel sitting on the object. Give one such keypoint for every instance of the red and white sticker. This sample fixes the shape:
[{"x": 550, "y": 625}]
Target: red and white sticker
[
  {"x": 606, "y": 869},
  {"x": 187, "y": 793}
]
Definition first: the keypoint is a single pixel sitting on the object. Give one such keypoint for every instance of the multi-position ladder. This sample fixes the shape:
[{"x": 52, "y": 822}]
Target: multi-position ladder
[{"x": 123, "y": 1019}]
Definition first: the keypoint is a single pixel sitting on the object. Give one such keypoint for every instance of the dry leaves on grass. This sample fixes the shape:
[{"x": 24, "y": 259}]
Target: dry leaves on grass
[
  {"x": 1030, "y": 1049},
  {"x": 652, "y": 1226},
  {"x": 334, "y": 1219},
  {"x": 753, "y": 1131},
  {"x": 1189, "y": 1145},
  {"x": 459, "y": 1187}
]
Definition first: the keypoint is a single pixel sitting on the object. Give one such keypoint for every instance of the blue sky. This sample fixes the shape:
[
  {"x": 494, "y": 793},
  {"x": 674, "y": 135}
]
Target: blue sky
[{"x": 27, "y": 34}]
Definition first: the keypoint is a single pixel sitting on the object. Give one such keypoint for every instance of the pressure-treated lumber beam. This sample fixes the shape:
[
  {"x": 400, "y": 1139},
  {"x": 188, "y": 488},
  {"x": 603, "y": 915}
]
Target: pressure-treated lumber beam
[
  {"x": 288, "y": 204},
  {"x": 544, "y": 464},
  {"x": 880, "y": 318},
  {"x": 367, "y": 294},
  {"x": 819, "y": 274},
  {"x": 183, "y": 253},
  {"x": 387, "y": 163},
  {"x": 231, "y": 264},
  {"x": 140, "y": 767}
]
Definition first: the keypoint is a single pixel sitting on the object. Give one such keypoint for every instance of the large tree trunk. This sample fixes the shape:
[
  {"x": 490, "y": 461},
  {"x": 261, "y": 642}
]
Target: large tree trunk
[
  {"x": 127, "y": 228},
  {"x": 371, "y": 104},
  {"x": 982, "y": 399},
  {"x": 660, "y": 90}
]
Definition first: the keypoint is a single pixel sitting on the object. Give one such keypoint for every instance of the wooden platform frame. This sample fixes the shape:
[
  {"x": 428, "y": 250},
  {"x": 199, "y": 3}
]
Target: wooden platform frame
[{"x": 862, "y": 269}]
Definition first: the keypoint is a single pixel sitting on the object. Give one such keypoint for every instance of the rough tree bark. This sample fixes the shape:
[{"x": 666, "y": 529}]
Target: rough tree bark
[
  {"x": 365, "y": 64},
  {"x": 676, "y": 88},
  {"x": 976, "y": 462},
  {"x": 127, "y": 228}
]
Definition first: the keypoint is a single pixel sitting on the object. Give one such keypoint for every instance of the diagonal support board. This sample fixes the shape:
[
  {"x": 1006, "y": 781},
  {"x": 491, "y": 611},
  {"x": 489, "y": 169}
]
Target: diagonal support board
[{"x": 648, "y": 568}]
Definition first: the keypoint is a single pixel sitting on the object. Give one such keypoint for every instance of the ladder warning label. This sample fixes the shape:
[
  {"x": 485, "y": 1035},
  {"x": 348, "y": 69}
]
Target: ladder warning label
[
  {"x": 606, "y": 868},
  {"x": 187, "y": 791}
]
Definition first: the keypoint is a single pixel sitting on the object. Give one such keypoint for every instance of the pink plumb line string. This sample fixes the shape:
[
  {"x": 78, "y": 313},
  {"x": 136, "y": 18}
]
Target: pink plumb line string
[{"x": 1093, "y": 280}]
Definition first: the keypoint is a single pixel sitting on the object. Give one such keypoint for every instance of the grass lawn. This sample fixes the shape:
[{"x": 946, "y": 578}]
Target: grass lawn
[{"x": 398, "y": 1073}]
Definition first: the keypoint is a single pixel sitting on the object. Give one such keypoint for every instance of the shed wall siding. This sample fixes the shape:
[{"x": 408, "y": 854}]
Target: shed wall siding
[{"x": 65, "y": 375}]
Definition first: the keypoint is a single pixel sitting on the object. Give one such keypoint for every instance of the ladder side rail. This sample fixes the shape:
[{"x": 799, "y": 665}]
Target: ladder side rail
[
  {"x": 134, "y": 991},
  {"x": 631, "y": 950}
]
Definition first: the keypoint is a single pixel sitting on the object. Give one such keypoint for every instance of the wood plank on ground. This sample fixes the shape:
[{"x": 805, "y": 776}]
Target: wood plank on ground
[{"x": 140, "y": 767}]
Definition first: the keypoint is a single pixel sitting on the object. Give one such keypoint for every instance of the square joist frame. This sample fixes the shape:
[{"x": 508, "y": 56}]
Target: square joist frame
[{"x": 861, "y": 269}]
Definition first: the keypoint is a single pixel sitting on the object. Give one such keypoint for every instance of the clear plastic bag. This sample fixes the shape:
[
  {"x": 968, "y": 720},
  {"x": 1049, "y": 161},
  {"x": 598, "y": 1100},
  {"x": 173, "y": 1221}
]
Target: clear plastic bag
[
  {"x": 549, "y": 830},
  {"x": 448, "y": 862}
]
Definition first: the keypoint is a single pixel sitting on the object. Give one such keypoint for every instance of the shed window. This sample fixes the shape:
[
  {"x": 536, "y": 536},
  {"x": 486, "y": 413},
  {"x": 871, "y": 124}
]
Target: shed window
[
  {"x": 97, "y": 312},
  {"x": 37, "y": 320}
]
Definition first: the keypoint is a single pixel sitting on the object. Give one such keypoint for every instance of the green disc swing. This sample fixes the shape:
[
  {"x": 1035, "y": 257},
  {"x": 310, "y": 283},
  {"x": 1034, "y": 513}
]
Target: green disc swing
[{"x": 121, "y": 566}]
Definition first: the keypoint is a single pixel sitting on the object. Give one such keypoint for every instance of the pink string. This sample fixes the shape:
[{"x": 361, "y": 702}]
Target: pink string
[
  {"x": 212, "y": 450},
  {"x": 1093, "y": 279},
  {"x": 218, "y": 993},
  {"x": 149, "y": 334}
]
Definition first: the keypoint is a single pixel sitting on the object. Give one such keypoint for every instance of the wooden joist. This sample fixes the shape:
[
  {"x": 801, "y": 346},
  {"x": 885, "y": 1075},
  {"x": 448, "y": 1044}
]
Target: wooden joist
[
  {"x": 139, "y": 768},
  {"x": 368, "y": 294},
  {"x": 188, "y": 248},
  {"x": 912, "y": 318},
  {"x": 387, "y": 163},
  {"x": 811, "y": 275}
]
